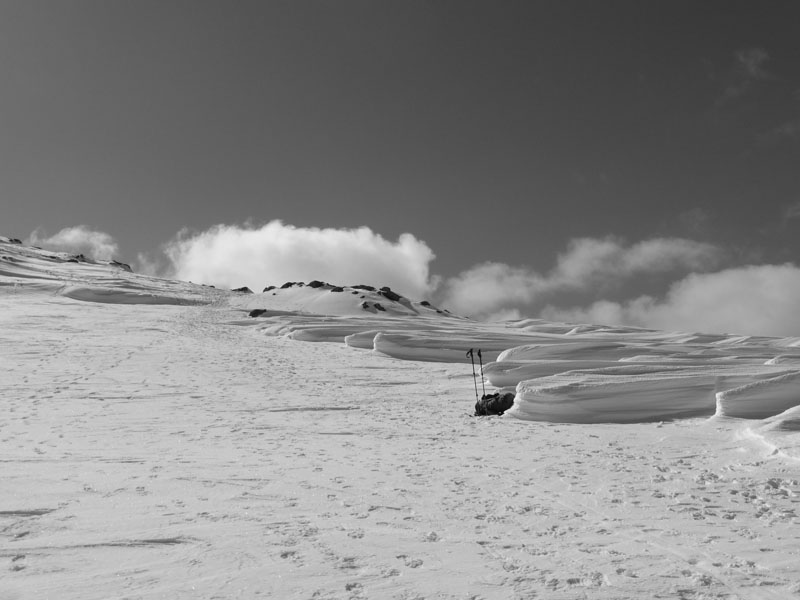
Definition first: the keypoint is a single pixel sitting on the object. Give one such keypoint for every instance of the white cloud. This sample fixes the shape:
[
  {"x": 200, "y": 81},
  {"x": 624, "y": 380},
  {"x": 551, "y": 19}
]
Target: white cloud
[
  {"x": 147, "y": 265},
  {"x": 234, "y": 256},
  {"x": 756, "y": 300},
  {"x": 77, "y": 240},
  {"x": 588, "y": 263},
  {"x": 491, "y": 288}
]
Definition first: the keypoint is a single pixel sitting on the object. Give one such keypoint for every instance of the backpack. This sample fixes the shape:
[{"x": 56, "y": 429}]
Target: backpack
[{"x": 494, "y": 404}]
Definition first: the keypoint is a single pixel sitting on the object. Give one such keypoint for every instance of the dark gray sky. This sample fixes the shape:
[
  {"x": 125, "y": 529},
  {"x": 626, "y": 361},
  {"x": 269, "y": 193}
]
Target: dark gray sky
[{"x": 490, "y": 130}]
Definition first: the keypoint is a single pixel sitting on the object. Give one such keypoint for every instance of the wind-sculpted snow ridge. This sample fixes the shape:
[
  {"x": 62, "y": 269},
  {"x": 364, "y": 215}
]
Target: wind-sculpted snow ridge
[
  {"x": 421, "y": 338},
  {"x": 780, "y": 432},
  {"x": 762, "y": 398},
  {"x": 640, "y": 393},
  {"x": 25, "y": 269},
  {"x": 565, "y": 372},
  {"x": 650, "y": 378}
]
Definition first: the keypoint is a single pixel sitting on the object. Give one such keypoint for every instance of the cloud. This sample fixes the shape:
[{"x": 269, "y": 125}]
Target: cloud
[
  {"x": 234, "y": 256},
  {"x": 590, "y": 261},
  {"x": 695, "y": 220},
  {"x": 77, "y": 240},
  {"x": 792, "y": 211},
  {"x": 750, "y": 61},
  {"x": 490, "y": 288},
  {"x": 788, "y": 131},
  {"x": 146, "y": 264},
  {"x": 748, "y": 68},
  {"x": 755, "y": 300},
  {"x": 587, "y": 265}
]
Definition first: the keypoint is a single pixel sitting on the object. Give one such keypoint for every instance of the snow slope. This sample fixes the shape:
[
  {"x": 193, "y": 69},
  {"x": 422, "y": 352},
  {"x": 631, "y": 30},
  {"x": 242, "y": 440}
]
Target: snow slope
[{"x": 159, "y": 442}]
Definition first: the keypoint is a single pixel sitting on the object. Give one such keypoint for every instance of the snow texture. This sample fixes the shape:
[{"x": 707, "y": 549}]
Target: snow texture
[{"x": 157, "y": 441}]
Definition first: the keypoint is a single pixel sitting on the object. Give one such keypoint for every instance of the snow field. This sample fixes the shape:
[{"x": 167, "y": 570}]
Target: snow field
[{"x": 189, "y": 451}]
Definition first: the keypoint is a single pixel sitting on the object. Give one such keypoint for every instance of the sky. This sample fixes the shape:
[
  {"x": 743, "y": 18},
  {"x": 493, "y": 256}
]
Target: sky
[{"x": 624, "y": 162}]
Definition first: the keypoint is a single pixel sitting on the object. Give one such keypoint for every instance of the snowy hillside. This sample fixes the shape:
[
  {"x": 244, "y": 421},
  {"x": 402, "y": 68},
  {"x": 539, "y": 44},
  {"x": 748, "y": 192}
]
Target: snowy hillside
[{"x": 167, "y": 439}]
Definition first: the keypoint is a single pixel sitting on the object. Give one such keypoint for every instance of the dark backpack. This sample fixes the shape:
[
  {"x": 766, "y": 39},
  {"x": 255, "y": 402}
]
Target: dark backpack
[{"x": 494, "y": 404}]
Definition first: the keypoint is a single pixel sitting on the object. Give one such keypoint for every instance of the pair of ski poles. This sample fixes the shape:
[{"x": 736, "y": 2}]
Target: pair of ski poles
[{"x": 471, "y": 354}]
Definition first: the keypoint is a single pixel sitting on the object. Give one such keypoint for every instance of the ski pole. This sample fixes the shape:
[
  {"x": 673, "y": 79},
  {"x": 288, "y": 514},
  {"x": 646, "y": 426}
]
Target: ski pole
[
  {"x": 480, "y": 358},
  {"x": 474, "y": 377}
]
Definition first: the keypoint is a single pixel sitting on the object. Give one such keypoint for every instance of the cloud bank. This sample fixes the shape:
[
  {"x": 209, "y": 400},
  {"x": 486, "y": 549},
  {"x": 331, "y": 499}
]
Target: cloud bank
[
  {"x": 702, "y": 297},
  {"x": 756, "y": 300},
  {"x": 234, "y": 256},
  {"x": 489, "y": 289},
  {"x": 698, "y": 294},
  {"x": 77, "y": 240}
]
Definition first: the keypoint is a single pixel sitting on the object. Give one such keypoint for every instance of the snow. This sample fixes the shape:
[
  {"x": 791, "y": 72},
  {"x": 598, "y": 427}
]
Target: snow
[
  {"x": 158, "y": 442},
  {"x": 761, "y": 398}
]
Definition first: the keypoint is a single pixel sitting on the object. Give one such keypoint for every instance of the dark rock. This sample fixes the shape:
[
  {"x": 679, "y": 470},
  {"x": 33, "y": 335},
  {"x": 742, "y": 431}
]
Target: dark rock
[
  {"x": 243, "y": 290},
  {"x": 425, "y": 303},
  {"x": 14, "y": 241},
  {"x": 287, "y": 285},
  {"x": 257, "y": 312},
  {"x": 337, "y": 289},
  {"x": 122, "y": 266},
  {"x": 365, "y": 305},
  {"x": 379, "y": 307},
  {"x": 269, "y": 288},
  {"x": 368, "y": 288},
  {"x": 389, "y": 294},
  {"x": 317, "y": 284}
]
